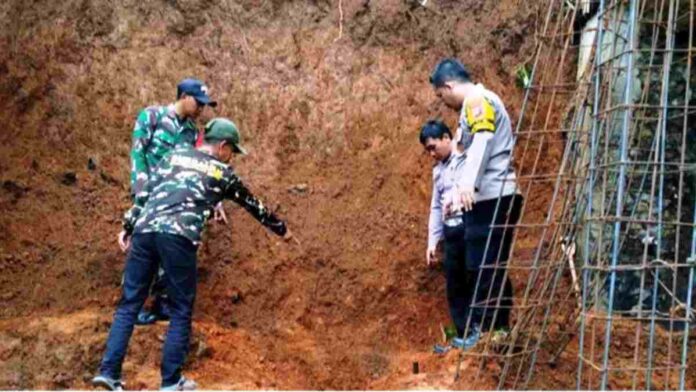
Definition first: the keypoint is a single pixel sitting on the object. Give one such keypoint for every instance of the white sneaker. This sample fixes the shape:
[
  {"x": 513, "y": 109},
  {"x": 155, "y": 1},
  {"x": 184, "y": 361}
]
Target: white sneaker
[
  {"x": 108, "y": 383},
  {"x": 184, "y": 384}
]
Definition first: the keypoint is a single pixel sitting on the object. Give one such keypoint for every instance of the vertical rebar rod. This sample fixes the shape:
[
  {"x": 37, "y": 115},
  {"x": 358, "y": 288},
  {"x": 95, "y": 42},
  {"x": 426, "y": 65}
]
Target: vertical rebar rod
[
  {"x": 620, "y": 190},
  {"x": 689, "y": 293},
  {"x": 692, "y": 257},
  {"x": 549, "y": 217},
  {"x": 599, "y": 281},
  {"x": 599, "y": 39},
  {"x": 654, "y": 155},
  {"x": 675, "y": 271},
  {"x": 664, "y": 99}
]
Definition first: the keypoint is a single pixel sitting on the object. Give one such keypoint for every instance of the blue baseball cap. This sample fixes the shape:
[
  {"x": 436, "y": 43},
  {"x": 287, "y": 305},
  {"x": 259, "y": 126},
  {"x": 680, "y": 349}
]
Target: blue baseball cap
[{"x": 197, "y": 89}]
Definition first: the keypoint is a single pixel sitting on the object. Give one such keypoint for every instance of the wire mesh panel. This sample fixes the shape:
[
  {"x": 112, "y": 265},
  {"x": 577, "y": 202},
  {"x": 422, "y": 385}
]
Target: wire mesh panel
[
  {"x": 544, "y": 303},
  {"x": 604, "y": 248},
  {"x": 638, "y": 225}
]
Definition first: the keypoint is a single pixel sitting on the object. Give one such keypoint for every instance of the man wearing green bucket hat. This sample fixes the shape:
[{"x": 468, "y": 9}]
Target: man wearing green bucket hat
[
  {"x": 163, "y": 228},
  {"x": 224, "y": 129}
]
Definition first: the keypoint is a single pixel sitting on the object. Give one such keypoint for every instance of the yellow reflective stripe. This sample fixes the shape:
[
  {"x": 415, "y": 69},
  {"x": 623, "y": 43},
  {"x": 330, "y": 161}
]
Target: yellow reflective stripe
[
  {"x": 484, "y": 125},
  {"x": 480, "y": 116}
]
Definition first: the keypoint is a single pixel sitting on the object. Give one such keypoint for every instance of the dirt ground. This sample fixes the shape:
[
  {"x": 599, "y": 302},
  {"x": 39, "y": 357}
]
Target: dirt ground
[{"x": 329, "y": 100}]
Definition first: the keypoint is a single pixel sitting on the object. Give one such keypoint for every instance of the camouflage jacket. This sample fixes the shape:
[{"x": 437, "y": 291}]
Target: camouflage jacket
[
  {"x": 157, "y": 131},
  {"x": 181, "y": 192}
]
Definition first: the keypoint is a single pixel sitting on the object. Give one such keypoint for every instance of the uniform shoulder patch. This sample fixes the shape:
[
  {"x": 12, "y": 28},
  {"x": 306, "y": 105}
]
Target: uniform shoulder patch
[{"x": 480, "y": 113}]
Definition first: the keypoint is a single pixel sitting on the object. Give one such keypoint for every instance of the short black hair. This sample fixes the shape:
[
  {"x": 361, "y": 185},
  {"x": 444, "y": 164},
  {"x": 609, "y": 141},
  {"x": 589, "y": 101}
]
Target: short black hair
[
  {"x": 449, "y": 70},
  {"x": 435, "y": 129}
]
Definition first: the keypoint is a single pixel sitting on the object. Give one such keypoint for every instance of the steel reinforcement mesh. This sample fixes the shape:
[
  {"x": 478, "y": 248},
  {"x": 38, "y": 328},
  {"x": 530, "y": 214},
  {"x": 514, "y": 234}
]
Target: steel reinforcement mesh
[{"x": 606, "y": 150}]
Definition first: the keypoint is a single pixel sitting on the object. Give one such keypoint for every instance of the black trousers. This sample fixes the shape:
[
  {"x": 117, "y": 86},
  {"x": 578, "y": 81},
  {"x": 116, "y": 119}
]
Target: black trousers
[{"x": 471, "y": 258}]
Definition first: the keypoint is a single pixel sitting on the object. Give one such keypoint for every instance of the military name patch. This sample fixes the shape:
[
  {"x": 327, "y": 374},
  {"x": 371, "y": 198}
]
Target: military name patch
[{"x": 208, "y": 168}]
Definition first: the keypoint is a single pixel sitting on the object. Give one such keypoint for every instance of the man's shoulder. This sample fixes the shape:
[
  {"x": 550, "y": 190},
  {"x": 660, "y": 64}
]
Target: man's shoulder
[
  {"x": 184, "y": 149},
  {"x": 152, "y": 114},
  {"x": 480, "y": 110},
  {"x": 479, "y": 99},
  {"x": 492, "y": 97},
  {"x": 189, "y": 157},
  {"x": 156, "y": 109}
]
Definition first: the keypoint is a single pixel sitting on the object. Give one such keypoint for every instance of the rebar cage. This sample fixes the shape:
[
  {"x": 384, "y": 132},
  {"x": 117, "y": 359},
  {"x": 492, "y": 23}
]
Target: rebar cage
[{"x": 604, "y": 252}]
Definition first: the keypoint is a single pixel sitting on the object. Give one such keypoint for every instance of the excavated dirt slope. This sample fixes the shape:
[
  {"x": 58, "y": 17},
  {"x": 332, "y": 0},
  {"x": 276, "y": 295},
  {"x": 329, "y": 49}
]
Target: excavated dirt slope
[{"x": 329, "y": 99}]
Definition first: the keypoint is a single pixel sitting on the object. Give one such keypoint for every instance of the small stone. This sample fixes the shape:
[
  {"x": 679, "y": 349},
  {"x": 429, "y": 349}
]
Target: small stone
[
  {"x": 69, "y": 178},
  {"x": 108, "y": 178},
  {"x": 15, "y": 189},
  {"x": 9, "y": 347},
  {"x": 202, "y": 350},
  {"x": 91, "y": 164},
  {"x": 298, "y": 188},
  {"x": 8, "y": 296},
  {"x": 62, "y": 380},
  {"x": 236, "y": 297}
]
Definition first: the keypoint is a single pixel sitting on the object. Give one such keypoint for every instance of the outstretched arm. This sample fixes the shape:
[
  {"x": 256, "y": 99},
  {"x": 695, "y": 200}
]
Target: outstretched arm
[{"x": 239, "y": 193}]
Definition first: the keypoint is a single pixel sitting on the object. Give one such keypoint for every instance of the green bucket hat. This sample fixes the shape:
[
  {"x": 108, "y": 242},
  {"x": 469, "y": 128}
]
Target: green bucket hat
[{"x": 223, "y": 129}]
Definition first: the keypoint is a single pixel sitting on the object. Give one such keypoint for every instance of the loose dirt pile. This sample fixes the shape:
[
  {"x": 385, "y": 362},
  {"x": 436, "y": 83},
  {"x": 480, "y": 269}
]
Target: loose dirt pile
[{"x": 329, "y": 109}]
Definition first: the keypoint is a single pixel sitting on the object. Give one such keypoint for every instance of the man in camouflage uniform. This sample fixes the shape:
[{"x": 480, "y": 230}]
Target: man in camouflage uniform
[
  {"x": 164, "y": 228},
  {"x": 159, "y": 129}
]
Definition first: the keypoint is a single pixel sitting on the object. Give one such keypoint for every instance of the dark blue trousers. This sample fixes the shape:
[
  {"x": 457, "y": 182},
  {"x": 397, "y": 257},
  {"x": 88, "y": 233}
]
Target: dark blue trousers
[
  {"x": 469, "y": 253},
  {"x": 177, "y": 255}
]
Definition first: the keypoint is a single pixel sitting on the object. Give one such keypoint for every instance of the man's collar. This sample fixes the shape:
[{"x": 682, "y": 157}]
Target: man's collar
[
  {"x": 171, "y": 111},
  {"x": 447, "y": 159}
]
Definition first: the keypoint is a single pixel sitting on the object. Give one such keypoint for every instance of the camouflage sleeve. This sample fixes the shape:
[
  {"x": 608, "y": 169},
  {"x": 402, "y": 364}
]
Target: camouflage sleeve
[
  {"x": 139, "y": 200},
  {"x": 133, "y": 213},
  {"x": 142, "y": 133},
  {"x": 130, "y": 217},
  {"x": 239, "y": 193}
]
